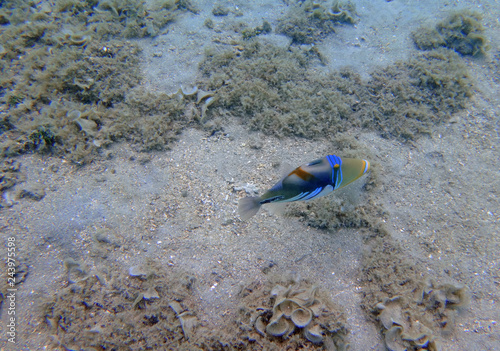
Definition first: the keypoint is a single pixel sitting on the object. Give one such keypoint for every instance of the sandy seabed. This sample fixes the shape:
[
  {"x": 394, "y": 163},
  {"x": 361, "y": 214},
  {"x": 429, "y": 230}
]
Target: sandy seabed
[{"x": 175, "y": 212}]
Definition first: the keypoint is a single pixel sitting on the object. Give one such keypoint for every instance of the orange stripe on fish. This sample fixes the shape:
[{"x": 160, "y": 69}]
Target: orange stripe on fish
[{"x": 302, "y": 174}]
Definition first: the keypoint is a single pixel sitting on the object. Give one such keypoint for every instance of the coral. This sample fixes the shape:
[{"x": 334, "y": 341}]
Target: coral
[
  {"x": 294, "y": 312},
  {"x": 461, "y": 31},
  {"x": 405, "y": 322}
]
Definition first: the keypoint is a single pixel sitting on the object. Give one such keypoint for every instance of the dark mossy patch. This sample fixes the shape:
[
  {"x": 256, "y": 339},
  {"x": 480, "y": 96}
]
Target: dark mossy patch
[
  {"x": 278, "y": 91},
  {"x": 461, "y": 31},
  {"x": 132, "y": 18},
  {"x": 220, "y": 10},
  {"x": 408, "y": 99},
  {"x": 272, "y": 90},
  {"x": 309, "y": 21},
  {"x": 97, "y": 77},
  {"x": 152, "y": 306},
  {"x": 149, "y": 121},
  {"x": 67, "y": 73},
  {"x": 265, "y": 28}
]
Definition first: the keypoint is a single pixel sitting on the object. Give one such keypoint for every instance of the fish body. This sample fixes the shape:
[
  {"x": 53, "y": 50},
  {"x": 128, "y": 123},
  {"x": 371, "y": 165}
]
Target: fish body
[{"x": 307, "y": 182}]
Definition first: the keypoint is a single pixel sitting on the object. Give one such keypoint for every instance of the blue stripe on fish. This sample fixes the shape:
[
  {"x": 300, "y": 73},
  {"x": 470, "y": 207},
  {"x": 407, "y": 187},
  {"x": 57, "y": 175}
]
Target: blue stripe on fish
[
  {"x": 296, "y": 198},
  {"x": 313, "y": 194},
  {"x": 335, "y": 163}
]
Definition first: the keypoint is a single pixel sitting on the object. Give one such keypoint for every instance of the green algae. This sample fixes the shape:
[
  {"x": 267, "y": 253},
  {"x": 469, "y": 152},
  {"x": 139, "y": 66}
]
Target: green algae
[
  {"x": 277, "y": 91},
  {"x": 310, "y": 21},
  {"x": 73, "y": 56},
  {"x": 271, "y": 89},
  {"x": 248, "y": 33},
  {"x": 461, "y": 31},
  {"x": 408, "y": 99}
]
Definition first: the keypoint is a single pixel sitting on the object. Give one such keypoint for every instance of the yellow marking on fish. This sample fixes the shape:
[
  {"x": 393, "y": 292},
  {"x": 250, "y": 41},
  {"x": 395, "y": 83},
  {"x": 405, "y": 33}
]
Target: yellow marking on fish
[{"x": 299, "y": 172}]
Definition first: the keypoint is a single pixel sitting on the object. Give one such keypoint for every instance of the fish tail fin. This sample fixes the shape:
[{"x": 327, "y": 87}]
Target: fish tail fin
[{"x": 248, "y": 206}]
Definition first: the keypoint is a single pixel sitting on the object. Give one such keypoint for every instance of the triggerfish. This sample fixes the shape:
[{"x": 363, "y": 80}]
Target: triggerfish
[{"x": 308, "y": 182}]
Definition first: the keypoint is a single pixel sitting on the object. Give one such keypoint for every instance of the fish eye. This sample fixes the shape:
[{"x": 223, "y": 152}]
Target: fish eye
[{"x": 315, "y": 162}]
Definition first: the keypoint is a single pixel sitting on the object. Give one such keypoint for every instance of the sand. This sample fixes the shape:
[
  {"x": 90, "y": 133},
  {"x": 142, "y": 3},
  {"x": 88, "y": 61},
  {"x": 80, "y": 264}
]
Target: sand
[{"x": 178, "y": 208}]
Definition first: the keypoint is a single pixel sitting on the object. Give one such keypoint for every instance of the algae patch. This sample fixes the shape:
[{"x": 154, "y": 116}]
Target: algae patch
[
  {"x": 408, "y": 99},
  {"x": 272, "y": 90},
  {"x": 279, "y": 92},
  {"x": 109, "y": 308},
  {"x": 73, "y": 57},
  {"x": 309, "y": 21},
  {"x": 461, "y": 31}
]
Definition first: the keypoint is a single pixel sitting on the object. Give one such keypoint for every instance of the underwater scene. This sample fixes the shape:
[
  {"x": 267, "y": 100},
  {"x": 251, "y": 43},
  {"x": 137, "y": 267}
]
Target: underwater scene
[{"x": 249, "y": 175}]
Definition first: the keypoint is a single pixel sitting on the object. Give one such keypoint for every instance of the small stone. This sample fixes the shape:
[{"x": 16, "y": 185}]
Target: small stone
[
  {"x": 136, "y": 271},
  {"x": 151, "y": 293},
  {"x": 34, "y": 192}
]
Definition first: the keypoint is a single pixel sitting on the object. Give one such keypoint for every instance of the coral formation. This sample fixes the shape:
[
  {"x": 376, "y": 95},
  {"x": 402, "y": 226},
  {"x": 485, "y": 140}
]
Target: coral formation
[
  {"x": 406, "y": 328},
  {"x": 461, "y": 31},
  {"x": 294, "y": 312},
  {"x": 297, "y": 308},
  {"x": 413, "y": 310}
]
